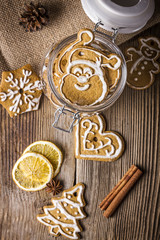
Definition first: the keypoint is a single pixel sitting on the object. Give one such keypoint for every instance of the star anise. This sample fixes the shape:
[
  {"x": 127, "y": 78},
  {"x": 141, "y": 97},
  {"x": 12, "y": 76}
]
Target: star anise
[{"x": 54, "y": 186}]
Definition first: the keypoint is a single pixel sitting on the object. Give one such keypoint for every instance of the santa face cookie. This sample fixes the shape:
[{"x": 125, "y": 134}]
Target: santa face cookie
[
  {"x": 92, "y": 142},
  {"x": 20, "y": 90},
  {"x": 62, "y": 217},
  {"x": 79, "y": 71},
  {"x": 143, "y": 64}
]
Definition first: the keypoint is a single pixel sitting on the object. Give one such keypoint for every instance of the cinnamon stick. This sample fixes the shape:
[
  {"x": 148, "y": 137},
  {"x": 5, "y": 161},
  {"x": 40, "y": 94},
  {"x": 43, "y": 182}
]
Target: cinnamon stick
[
  {"x": 109, "y": 198},
  {"x": 120, "y": 196},
  {"x": 102, "y": 203}
]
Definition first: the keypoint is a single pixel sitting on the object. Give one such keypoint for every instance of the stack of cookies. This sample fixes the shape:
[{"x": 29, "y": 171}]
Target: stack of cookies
[{"x": 84, "y": 75}]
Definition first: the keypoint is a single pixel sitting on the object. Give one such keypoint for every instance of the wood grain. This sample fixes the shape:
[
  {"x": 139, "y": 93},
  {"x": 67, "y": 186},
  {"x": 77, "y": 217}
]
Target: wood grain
[{"x": 136, "y": 116}]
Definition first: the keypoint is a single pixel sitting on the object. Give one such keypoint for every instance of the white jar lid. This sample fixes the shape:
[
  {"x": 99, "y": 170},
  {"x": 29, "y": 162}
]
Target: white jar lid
[{"x": 127, "y": 16}]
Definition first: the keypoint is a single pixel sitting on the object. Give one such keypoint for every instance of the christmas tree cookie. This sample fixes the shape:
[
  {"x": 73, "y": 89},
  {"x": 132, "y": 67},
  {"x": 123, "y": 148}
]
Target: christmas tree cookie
[
  {"x": 62, "y": 217},
  {"x": 20, "y": 90}
]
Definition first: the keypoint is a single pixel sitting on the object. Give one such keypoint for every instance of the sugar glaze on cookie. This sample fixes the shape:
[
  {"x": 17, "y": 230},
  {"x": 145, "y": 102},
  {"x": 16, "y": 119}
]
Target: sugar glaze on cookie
[
  {"x": 62, "y": 217},
  {"x": 94, "y": 143},
  {"x": 142, "y": 64},
  {"x": 20, "y": 90}
]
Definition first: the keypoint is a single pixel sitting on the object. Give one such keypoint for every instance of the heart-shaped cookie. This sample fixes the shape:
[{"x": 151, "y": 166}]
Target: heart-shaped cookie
[{"x": 92, "y": 142}]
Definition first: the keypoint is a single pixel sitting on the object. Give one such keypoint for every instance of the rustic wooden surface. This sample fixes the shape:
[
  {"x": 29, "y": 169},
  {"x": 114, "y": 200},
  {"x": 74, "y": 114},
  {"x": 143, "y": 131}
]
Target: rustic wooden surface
[{"x": 136, "y": 116}]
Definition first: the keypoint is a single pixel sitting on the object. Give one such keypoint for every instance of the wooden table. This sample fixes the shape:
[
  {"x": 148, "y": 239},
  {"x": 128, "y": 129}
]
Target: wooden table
[{"x": 136, "y": 116}]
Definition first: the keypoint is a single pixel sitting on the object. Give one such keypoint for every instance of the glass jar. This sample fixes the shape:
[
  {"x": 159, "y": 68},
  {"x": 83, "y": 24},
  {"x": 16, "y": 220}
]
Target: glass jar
[
  {"x": 102, "y": 42},
  {"x": 113, "y": 15}
]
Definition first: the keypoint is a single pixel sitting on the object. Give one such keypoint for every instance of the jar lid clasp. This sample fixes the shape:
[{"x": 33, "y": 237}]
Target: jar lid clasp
[
  {"x": 114, "y": 33},
  {"x": 64, "y": 111}
]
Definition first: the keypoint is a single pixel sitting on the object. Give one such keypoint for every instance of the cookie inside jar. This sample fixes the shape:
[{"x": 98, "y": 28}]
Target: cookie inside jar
[{"x": 86, "y": 72}]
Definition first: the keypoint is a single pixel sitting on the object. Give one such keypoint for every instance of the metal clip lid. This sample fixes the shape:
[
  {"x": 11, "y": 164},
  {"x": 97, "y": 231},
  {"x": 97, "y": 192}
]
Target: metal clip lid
[
  {"x": 59, "y": 113},
  {"x": 112, "y": 37}
]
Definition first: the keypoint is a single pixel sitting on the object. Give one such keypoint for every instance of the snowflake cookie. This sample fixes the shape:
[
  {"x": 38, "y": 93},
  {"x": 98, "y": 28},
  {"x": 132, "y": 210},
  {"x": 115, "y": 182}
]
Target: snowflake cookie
[
  {"x": 92, "y": 142},
  {"x": 20, "y": 90},
  {"x": 62, "y": 217}
]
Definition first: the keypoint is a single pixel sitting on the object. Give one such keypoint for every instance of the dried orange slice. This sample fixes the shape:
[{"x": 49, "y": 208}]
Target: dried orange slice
[
  {"x": 32, "y": 172},
  {"x": 48, "y": 150}
]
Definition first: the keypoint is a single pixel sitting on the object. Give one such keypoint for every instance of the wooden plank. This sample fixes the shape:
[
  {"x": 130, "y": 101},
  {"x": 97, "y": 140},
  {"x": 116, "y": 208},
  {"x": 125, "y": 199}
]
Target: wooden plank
[
  {"x": 136, "y": 116},
  {"x": 19, "y": 208}
]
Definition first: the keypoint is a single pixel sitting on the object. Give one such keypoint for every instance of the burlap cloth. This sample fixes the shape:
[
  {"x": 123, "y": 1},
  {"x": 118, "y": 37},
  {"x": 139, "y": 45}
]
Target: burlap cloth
[{"x": 66, "y": 18}]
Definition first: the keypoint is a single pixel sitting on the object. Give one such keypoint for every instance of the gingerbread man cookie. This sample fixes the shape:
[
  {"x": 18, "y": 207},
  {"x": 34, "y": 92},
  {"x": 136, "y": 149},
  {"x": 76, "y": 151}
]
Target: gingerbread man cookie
[
  {"x": 20, "y": 90},
  {"x": 62, "y": 217},
  {"x": 92, "y": 142},
  {"x": 143, "y": 64},
  {"x": 79, "y": 71}
]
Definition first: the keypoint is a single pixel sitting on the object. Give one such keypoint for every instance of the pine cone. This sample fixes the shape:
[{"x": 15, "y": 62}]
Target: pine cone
[{"x": 33, "y": 17}]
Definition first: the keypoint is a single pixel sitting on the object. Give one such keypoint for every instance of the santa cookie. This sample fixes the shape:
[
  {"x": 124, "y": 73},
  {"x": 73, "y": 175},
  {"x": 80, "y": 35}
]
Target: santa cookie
[
  {"x": 62, "y": 217},
  {"x": 92, "y": 142},
  {"x": 20, "y": 90},
  {"x": 143, "y": 64},
  {"x": 79, "y": 71}
]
